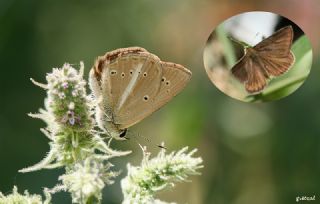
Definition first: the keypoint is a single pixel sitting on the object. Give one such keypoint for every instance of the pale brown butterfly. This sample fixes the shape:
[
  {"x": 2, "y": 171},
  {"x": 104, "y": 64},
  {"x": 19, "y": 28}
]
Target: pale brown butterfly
[
  {"x": 130, "y": 84},
  {"x": 269, "y": 58}
]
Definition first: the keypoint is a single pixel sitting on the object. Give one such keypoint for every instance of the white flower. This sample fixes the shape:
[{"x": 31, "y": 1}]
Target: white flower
[
  {"x": 71, "y": 106},
  {"x": 87, "y": 179},
  {"x": 62, "y": 95},
  {"x": 155, "y": 174},
  {"x": 16, "y": 198}
]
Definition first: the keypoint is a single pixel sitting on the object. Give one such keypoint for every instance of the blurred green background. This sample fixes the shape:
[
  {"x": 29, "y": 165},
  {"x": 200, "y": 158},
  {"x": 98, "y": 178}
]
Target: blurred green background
[{"x": 253, "y": 153}]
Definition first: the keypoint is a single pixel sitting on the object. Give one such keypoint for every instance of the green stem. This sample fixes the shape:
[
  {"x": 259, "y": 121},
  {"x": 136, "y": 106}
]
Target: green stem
[{"x": 228, "y": 48}]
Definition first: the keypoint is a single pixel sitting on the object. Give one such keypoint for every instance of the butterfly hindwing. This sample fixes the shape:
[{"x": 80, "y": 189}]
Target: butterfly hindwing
[
  {"x": 257, "y": 78},
  {"x": 239, "y": 70}
]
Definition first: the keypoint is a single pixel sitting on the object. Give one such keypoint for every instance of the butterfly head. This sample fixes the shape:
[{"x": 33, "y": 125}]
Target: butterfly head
[
  {"x": 115, "y": 133},
  {"x": 123, "y": 133},
  {"x": 239, "y": 42}
]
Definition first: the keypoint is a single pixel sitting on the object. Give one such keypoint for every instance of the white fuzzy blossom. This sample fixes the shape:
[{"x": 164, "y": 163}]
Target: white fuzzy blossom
[
  {"x": 66, "y": 90},
  {"x": 142, "y": 182},
  {"x": 63, "y": 108},
  {"x": 87, "y": 179},
  {"x": 26, "y": 198}
]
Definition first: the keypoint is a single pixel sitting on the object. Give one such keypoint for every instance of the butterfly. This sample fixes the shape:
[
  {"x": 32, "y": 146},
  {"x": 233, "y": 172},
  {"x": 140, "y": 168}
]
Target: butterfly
[
  {"x": 130, "y": 84},
  {"x": 269, "y": 58}
]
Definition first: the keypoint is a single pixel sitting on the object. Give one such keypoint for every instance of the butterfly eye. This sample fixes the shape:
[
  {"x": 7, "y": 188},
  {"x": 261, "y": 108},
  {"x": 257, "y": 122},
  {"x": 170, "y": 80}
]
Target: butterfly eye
[
  {"x": 145, "y": 74},
  {"x": 123, "y": 133},
  {"x": 113, "y": 72},
  {"x": 146, "y": 98}
]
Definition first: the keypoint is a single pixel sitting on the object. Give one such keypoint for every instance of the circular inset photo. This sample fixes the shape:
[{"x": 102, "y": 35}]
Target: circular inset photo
[{"x": 258, "y": 56}]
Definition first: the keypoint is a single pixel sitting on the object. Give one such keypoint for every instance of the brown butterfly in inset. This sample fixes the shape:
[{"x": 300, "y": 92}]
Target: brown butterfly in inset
[{"x": 269, "y": 58}]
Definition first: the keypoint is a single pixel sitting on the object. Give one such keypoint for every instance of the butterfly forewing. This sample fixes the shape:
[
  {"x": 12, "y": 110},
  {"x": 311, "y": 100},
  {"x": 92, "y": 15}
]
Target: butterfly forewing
[
  {"x": 278, "y": 44},
  {"x": 158, "y": 90},
  {"x": 276, "y": 66},
  {"x": 274, "y": 52},
  {"x": 137, "y": 101},
  {"x": 109, "y": 77},
  {"x": 239, "y": 69},
  {"x": 153, "y": 92},
  {"x": 125, "y": 68}
]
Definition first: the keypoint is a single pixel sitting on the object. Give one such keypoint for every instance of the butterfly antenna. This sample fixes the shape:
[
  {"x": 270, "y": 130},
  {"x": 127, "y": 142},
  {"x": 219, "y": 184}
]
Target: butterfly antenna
[
  {"x": 262, "y": 36},
  {"x": 134, "y": 139},
  {"x": 239, "y": 42},
  {"x": 162, "y": 146},
  {"x": 256, "y": 35},
  {"x": 137, "y": 135}
]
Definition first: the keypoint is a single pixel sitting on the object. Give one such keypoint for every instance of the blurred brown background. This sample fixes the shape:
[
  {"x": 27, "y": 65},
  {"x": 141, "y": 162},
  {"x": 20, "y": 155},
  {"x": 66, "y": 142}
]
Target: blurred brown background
[{"x": 253, "y": 153}]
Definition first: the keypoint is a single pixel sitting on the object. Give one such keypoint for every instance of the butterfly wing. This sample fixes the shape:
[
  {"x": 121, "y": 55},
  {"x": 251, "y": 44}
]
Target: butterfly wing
[
  {"x": 112, "y": 74},
  {"x": 276, "y": 66},
  {"x": 174, "y": 78},
  {"x": 270, "y": 57},
  {"x": 136, "y": 102},
  {"x": 239, "y": 71},
  {"x": 274, "y": 52},
  {"x": 257, "y": 78},
  {"x": 163, "y": 81},
  {"x": 249, "y": 72},
  {"x": 134, "y": 83}
]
